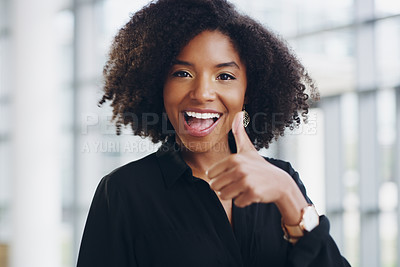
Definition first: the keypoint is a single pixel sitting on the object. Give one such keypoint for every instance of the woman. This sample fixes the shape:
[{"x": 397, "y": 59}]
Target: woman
[{"x": 181, "y": 72}]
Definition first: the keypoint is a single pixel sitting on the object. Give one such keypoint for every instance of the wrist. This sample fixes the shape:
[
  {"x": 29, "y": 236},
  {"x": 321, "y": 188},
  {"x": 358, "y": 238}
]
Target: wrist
[
  {"x": 291, "y": 202},
  {"x": 308, "y": 221}
]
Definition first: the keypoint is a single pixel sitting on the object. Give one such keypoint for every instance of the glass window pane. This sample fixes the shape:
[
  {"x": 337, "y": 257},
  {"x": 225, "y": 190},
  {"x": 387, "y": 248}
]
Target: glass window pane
[
  {"x": 387, "y": 43},
  {"x": 387, "y": 7},
  {"x": 329, "y": 57},
  {"x": 351, "y": 201}
]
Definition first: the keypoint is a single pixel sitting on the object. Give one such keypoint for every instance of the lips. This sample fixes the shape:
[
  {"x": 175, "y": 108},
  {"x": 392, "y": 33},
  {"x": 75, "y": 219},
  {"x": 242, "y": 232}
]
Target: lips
[{"x": 200, "y": 122}]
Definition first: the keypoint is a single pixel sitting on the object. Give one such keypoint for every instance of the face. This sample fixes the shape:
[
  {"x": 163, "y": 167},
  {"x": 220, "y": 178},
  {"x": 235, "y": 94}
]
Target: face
[{"x": 203, "y": 91}]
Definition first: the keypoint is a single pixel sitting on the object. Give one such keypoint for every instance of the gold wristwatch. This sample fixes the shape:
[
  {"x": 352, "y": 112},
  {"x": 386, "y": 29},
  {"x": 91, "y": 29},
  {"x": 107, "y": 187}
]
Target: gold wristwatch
[{"x": 309, "y": 220}]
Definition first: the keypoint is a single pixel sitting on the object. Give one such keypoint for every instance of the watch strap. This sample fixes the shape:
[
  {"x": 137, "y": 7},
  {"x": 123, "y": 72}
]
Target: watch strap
[{"x": 293, "y": 233}]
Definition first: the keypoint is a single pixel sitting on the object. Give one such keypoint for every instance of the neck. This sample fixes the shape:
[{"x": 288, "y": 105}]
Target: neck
[{"x": 201, "y": 161}]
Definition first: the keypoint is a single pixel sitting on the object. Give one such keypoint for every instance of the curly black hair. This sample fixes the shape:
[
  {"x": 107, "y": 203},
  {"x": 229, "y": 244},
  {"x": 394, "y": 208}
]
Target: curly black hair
[{"x": 144, "y": 49}]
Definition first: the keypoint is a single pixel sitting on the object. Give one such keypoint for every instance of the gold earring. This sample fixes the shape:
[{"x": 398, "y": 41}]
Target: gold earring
[{"x": 246, "y": 118}]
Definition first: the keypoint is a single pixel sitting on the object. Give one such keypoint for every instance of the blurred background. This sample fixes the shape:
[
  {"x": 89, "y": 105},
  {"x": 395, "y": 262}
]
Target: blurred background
[{"x": 56, "y": 144}]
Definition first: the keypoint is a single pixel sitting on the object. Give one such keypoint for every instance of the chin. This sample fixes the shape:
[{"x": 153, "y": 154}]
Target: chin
[
  {"x": 198, "y": 147},
  {"x": 202, "y": 146}
]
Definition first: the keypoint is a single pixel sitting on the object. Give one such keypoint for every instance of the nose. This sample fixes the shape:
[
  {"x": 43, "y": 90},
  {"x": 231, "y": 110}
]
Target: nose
[{"x": 203, "y": 90}]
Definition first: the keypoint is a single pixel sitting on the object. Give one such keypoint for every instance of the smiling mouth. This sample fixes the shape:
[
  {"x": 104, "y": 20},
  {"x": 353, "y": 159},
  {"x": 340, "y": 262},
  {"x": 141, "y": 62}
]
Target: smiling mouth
[{"x": 200, "y": 123}]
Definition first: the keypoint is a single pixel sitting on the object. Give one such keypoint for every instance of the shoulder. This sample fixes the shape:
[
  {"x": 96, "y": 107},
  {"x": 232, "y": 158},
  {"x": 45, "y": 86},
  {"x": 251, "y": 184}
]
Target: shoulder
[
  {"x": 134, "y": 173},
  {"x": 284, "y": 165},
  {"x": 137, "y": 166}
]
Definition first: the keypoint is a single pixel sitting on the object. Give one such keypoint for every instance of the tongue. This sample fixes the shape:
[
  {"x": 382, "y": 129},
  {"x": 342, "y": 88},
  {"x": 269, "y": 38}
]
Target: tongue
[{"x": 199, "y": 124}]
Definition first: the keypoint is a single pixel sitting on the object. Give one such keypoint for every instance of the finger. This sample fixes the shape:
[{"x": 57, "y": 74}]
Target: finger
[
  {"x": 242, "y": 140},
  {"x": 223, "y": 179},
  {"x": 244, "y": 199},
  {"x": 232, "y": 190},
  {"x": 219, "y": 167}
]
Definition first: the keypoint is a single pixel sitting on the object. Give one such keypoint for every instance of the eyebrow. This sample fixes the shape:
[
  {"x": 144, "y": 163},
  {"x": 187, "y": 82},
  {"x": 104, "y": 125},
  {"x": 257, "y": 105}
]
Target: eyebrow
[
  {"x": 180, "y": 62},
  {"x": 221, "y": 65},
  {"x": 228, "y": 64}
]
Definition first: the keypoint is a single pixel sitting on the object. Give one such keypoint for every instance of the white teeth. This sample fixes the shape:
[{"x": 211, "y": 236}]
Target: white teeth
[{"x": 202, "y": 115}]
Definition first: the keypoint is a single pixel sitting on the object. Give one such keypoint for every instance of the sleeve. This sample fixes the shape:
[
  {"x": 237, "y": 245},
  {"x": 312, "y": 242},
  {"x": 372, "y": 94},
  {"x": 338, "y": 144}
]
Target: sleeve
[
  {"x": 316, "y": 248},
  {"x": 106, "y": 237}
]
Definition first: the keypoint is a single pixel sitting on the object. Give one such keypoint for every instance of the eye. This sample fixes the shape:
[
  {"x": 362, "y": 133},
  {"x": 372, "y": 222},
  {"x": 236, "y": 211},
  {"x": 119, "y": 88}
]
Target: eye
[
  {"x": 225, "y": 76},
  {"x": 181, "y": 73}
]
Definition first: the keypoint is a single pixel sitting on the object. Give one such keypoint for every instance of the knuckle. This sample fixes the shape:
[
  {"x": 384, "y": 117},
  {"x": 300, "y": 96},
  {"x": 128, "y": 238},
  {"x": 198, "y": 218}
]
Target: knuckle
[
  {"x": 224, "y": 194},
  {"x": 242, "y": 183},
  {"x": 252, "y": 194},
  {"x": 246, "y": 181},
  {"x": 214, "y": 185},
  {"x": 240, "y": 170},
  {"x": 235, "y": 159},
  {"x": 238, "y": 203}
]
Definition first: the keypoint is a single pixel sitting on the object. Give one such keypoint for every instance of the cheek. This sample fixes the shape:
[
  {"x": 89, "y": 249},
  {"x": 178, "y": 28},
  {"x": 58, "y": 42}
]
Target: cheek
[
  {"x": 167, "y": 94},
  {"x": 172, "y": 93},
  {"x": 236, "y": 100},
  {"x": 171, "y": 100},
  {"x": 234, "y": 104},
  {"x": 167, "y": 101}
]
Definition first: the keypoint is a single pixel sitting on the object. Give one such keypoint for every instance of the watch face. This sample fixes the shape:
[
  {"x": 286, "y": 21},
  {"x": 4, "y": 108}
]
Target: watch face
[{"x": 310, "y": 219}]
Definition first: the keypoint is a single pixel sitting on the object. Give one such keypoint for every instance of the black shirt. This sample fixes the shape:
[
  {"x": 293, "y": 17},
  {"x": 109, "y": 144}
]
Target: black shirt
[{"x": 153, "y": 212}]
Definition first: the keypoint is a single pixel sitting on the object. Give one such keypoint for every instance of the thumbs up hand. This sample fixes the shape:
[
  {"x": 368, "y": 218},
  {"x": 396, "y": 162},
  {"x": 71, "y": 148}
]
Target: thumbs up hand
[
  {"x": 248, "y": 178},
  {"x": 245, "y": 176}
]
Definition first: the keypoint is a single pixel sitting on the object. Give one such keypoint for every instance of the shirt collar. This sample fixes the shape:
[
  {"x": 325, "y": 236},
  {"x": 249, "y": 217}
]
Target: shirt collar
[{"x": 171, "y": 163}]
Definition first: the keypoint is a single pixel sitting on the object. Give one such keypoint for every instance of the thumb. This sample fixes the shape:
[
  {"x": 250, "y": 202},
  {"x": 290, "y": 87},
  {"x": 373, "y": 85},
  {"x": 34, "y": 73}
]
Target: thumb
[{"x": 242, "y": 141}]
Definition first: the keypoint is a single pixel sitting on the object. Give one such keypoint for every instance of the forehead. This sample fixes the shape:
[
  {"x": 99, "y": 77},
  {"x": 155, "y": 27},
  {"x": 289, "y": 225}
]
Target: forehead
[{"x": 212, "y": 46}]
